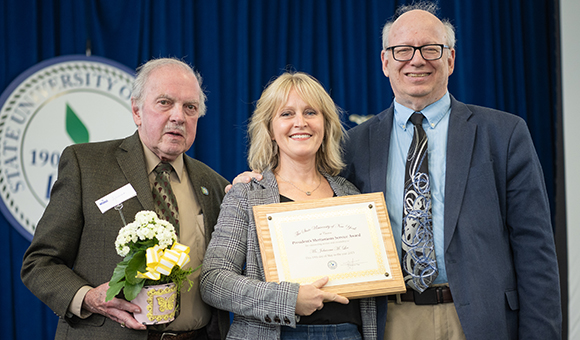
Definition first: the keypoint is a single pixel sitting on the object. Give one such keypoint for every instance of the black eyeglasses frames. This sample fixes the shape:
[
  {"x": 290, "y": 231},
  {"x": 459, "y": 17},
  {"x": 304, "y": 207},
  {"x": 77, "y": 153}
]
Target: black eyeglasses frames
[{"x": 407, "y": 52}]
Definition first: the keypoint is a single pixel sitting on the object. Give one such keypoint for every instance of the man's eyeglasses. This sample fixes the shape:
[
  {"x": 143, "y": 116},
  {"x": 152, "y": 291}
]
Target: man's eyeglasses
[{"x": 407, "y": 52}]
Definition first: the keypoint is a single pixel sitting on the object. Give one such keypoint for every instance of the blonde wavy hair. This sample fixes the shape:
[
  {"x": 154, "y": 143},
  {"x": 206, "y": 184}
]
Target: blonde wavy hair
[{"x": 263, "y": 153}]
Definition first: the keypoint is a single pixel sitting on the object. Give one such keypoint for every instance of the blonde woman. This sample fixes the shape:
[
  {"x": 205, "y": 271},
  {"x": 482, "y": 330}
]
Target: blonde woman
[{"x": 295, "y": 137}]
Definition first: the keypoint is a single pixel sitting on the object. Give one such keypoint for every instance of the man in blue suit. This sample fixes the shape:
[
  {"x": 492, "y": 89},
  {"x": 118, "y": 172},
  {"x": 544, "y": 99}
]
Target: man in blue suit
[{"x": 497, "y": 270}]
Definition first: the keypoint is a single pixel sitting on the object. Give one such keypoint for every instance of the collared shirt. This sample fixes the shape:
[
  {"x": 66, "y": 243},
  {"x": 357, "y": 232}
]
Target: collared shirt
[
  {"x": 194, "y": 313},
  {"x": 435, "y": 124}
]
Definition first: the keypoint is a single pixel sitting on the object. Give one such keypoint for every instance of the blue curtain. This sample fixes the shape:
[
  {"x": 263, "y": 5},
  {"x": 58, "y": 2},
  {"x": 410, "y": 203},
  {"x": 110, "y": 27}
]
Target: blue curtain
[{"x": 506, "y": 59}]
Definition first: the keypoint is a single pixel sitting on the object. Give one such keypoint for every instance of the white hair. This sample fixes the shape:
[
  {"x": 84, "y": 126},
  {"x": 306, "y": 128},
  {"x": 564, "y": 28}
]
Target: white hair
[{"x": 144, "y": 71}]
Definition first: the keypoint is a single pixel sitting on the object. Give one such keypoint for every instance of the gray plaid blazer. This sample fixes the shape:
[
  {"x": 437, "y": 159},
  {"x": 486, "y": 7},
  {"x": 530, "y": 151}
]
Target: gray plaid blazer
[{"x": 233, "y": 275}]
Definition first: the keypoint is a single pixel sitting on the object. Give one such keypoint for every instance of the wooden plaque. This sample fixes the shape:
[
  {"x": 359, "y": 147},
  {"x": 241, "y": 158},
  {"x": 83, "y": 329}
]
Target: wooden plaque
[{"x": 347, "y": 238}]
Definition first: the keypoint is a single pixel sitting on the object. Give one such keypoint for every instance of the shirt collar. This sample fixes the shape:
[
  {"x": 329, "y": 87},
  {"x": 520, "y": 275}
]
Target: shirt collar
[
  {"x": 433, "y": 112},
  {"x": 152, "y": 160}
]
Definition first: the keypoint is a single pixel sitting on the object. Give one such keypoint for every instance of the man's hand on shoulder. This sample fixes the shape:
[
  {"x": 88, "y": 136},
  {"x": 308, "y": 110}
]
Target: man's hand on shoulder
[
  {"x": 244, "y": 177},
  {"x": 117, "y": 310}
]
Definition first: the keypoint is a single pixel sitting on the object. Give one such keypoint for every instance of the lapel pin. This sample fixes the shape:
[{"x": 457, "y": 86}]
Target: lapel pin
[{"x": 204, "y": 191}]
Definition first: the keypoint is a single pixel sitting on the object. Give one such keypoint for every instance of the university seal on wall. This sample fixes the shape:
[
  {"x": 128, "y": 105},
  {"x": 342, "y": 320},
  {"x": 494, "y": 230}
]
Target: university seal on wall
[{"x": 56, "y": 103}]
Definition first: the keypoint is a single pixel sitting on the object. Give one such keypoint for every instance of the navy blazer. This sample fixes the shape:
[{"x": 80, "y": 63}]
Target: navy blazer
[{"x": 499, "y": 246}]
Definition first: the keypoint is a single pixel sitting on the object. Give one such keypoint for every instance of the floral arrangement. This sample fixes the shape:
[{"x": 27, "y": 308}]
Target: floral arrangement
[{"x": 152, "y": 256}]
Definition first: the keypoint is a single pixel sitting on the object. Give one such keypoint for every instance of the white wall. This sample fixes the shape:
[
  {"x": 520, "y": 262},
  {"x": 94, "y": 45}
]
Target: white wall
[{"x": 570, "y": 25}]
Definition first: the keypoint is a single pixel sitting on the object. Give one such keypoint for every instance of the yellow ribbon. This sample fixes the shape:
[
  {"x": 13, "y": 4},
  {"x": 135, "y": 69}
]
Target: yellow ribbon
[{"x": 162, "y": 262}]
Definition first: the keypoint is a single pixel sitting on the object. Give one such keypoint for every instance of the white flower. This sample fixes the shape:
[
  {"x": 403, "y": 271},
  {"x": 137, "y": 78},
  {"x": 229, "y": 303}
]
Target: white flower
[
  {"x": 123, "y": 251},
  {"x": 147, "y": 226},
  {"x": 145, "y": 217}
]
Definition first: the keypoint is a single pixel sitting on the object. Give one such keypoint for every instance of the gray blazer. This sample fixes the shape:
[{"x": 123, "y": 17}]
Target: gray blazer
[
  {"x": 74, "y": 243},
  {"x": 233, "y": 278}
]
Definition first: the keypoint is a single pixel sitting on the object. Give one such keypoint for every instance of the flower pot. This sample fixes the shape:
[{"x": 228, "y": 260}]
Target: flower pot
[{"x": 158, "y": 304}]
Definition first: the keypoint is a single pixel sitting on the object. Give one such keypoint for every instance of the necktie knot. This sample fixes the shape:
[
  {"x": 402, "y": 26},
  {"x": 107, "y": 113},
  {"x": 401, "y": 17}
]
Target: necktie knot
[
  {"x": 417, "y": 118},
  {"x": 163, "y": 168}
]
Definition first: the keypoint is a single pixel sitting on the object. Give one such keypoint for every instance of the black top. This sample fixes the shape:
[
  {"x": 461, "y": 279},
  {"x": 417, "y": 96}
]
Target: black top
[{"x": 333, "y": 312}]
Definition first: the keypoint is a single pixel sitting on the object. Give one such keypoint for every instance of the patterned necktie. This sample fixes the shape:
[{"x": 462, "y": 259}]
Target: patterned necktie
[
  {"x": 165, "y": 201},
  {"x": 418, "y": 249}
]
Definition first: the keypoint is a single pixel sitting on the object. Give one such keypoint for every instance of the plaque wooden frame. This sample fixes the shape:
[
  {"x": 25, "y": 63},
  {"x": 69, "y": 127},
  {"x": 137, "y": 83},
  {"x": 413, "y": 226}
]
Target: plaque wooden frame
[{"x": 393, "y": 282}]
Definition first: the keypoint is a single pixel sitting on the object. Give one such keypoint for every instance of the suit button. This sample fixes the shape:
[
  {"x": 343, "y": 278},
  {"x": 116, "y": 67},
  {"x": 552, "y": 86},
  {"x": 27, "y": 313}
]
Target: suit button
[
  {"x": 267, "y": 319},
  {"x": 276, "y": 319}
]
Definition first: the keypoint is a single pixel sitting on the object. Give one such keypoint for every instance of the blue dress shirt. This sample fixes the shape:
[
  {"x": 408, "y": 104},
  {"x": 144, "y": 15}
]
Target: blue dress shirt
[{"x": 435, "y": 124}]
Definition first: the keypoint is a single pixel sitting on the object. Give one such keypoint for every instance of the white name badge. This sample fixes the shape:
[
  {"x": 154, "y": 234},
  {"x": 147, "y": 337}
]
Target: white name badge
[{"x": 116, "y": 197}]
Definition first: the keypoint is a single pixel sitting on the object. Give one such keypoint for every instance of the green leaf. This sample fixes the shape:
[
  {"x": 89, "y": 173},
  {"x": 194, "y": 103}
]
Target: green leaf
[
  {"x": 75, "y": 127},
  {"x": 142, "y": 245},
  {"x": 119, "y": 272},
  {"x": 178, "y": 276},
  {"x": 137, "y": 263},
  {"x": 131, "y": 291},
  {"x": 117, "y": 281},
  {"x": 114, "y": 289}
]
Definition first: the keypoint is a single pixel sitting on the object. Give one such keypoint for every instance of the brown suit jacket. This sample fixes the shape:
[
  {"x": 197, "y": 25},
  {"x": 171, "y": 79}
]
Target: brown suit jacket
[{"x": 73, "y": 244}]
